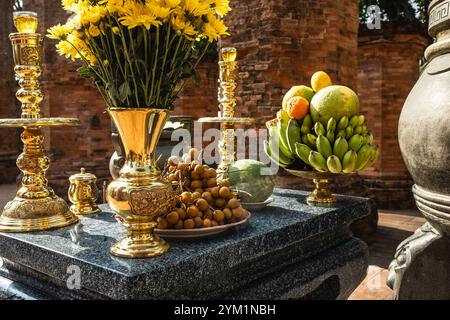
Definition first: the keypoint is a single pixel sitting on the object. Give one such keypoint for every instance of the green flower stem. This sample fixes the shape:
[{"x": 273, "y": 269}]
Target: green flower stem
[{"x": 155, "y": 63}]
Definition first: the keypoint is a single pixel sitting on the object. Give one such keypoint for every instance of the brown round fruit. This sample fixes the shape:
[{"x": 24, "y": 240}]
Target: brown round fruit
[
  {"x": 183, "y": 166},
  {"x": 181, "y": 213},
  {"x": 219, "y": 215},
  {"x": 214, "y": 223},
  {"x": 196, "y": 195},
  {"x": 186, "y": 197},
  {"x": 193, "y": 211},
  {"x": 225, "y": 183},
  {"x": 225, "y": 192},
  {"x": 196, "y": 184},
  {"x": 212, "y": 182},
  {"x": 202, "y": 204},
  {"x": 206, "y": 223},
  {"x": 199, "y": 169},
  {"x": 207, "y": 196},
  {"x": 233, "y": 203},
  {"x": 173, "y": 177},
  {"x": 238, "y": 212},
  {"x": 220, "y": 203},
  {"x": 172, "y": 217},
  {"x": 198, "y": 222},
  {"x": 179, "y": 224},
  {"x": 195, "y": 176},
  {"x": 199, "y": 190},
  {"x": 228, "y": 214},
  {"x": 162, "y": 223},
  {"x": 215, "y": 192},
  {"x": 173, "y": 160},
  {"x": 212, "y": 173},
  {"x": 189, "y": 224}
]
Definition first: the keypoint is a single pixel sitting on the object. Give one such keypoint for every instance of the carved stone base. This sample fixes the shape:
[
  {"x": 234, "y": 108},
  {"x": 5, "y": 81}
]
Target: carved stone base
[{"x": 421, "y": 268}]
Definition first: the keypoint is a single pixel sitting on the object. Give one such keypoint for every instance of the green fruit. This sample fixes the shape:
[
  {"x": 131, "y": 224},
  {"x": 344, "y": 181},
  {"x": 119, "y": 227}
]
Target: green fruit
[
  {"x": 311, "y": 140},
  {"x": 319, "y": 129},
  {"x": 283, "y": 139},
  {"x": 318, "y": 161},
  {"x": 354, "y": 121},
  {"x": 340, "y": 147},
  {"x": 293, "y": 135},
  {"x": 356, "y": 142},
  {"x": 330, "y": 136},
  {"x": 251, "y": 177},
  {"x": 297, "y": 91},
  {"x": 358, "y": 130},
  {"x": 305, "y": 139},
  {"x": 368, "y": 138},
  {"x": 364, "y": 128},
  {"x": 333, "y": 102},
  {"x": 361, "y": 120},
  {"x": 304, "y": 129},
  {"x": 282, "y": 115},
  {"x": 307, "y": 121},
  {"x": 341, "y": 134},
  {"x": 348, "y": 132},
  {"x": 303, "y": 151},
  {"x": 334, "y": 164},
  {"x": 324, "y": 146},
  {"x": 363, "y": 157},
  {"x": 374, "y": 151},
  {"x": 349, "y": 161},
  {"x": 277, "y": 157},
  {"x": 343, "y": 123},
  {"x": 331, "y": 125}
]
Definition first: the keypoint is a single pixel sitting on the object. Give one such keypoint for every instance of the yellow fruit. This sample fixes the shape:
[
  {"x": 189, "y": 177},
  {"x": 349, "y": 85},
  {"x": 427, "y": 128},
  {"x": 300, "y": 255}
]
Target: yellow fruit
[
  {"x": 320, "y": 80},
  {"x": 297, "y": 91}
]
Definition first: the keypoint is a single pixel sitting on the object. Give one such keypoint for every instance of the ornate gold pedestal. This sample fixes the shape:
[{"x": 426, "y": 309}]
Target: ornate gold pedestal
[
  {"x": 228, "y": 83},
  {"x": 320, "y": 196},
  {"x": 35, "y": 207}
]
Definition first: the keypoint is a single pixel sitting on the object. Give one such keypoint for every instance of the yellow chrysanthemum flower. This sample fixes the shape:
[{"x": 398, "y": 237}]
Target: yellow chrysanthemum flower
[
  {"x": 68, "y": 4},
  {"x": 197, "y": 7},
  {"x": 92, "y": 14},
  {"x": 170, "y": 3},
  {"x": 158, "y": 11},
  {"x": 64, "y": 48},
  {"x": 59, "y": 31},
  {"x": 214, "y": 28},
  {"x": 139, "y": 15},
  {"x": 93, "y": 30},
  {"x": 221, "y": 7}
]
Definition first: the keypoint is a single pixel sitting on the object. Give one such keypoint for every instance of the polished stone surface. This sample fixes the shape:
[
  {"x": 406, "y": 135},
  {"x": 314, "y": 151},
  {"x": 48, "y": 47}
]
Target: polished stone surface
[{"x": 279, "y": 244}]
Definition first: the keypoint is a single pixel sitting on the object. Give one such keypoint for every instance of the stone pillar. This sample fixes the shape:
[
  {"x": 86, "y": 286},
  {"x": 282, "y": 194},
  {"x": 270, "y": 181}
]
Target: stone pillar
[
  {"x": 388, "y": 68},
  {"x": 68, "y": 95},
  {"x": 8, "y": 104}
]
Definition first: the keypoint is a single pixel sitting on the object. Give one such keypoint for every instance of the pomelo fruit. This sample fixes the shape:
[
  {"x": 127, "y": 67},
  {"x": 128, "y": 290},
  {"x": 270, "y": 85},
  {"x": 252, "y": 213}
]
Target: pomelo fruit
[
  {"x": 297, "y": 91},
  {"x": 245, "y": 175},
  {"x": 334, "y": 102},
  {"x": 320, "y": 80}
]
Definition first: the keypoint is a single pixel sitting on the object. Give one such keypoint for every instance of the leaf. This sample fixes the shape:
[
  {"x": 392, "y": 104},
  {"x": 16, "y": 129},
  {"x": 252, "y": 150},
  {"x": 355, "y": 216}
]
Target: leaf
[
  {"x": 197, "y": 77},
  {"x": 124, "y": 91},
  {"x": 86, "y": 72}
]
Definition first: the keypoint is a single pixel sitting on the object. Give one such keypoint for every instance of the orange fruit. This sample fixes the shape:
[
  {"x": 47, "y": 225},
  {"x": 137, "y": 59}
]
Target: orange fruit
[{"x": 298, "y": 108}]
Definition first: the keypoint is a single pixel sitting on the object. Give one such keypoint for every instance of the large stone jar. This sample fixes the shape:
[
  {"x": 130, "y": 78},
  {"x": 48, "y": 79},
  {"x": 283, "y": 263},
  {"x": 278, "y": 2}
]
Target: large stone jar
[{"x": 424, "y": 126}]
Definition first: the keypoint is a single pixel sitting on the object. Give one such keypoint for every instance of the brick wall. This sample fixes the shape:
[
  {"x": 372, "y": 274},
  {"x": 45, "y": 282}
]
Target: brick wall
[
  {"x": 388, "y": 67},
  {"x": 9, "y": 137}
]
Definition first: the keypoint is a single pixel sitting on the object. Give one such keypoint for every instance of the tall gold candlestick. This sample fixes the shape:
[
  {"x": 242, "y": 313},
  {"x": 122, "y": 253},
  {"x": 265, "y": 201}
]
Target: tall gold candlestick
[
  {"x": 228, "y": 79},
  {"x": 35, "y": 207}
]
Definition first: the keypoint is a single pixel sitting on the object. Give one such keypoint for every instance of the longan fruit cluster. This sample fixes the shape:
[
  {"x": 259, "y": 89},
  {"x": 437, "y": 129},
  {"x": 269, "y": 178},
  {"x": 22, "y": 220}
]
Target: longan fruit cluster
[{"x": 202, "y": 202}]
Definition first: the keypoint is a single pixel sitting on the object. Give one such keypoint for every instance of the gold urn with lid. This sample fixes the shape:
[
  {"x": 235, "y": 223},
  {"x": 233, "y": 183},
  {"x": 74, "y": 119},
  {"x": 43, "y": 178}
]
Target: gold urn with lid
[{"x": 83, "y": 193}]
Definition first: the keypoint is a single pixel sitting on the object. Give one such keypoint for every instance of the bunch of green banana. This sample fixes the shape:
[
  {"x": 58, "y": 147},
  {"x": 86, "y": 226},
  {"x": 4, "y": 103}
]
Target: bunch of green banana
[{"x": 342, "y": 146}]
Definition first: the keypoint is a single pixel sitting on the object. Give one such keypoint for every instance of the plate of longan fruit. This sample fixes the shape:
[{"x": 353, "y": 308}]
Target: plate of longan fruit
[{"x": 206, "y": 205}]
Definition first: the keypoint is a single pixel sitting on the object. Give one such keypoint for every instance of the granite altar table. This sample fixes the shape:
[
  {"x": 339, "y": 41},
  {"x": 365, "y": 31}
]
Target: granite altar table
[{"x": 290, "y": 250}]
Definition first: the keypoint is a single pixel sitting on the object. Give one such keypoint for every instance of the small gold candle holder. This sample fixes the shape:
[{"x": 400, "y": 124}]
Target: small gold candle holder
[
  {"x": 83, "y": 193},
  {"x": 25, "y": 21}
]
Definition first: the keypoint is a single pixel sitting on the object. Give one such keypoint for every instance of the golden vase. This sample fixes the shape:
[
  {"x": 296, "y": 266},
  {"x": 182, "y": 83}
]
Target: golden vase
[{"x": 140, "y": 195}]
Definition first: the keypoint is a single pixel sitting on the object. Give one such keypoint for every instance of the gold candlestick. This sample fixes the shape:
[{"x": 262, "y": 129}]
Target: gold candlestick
[
  {"x": 228, "y": 78},
  {"x": 35, "y": 207}
]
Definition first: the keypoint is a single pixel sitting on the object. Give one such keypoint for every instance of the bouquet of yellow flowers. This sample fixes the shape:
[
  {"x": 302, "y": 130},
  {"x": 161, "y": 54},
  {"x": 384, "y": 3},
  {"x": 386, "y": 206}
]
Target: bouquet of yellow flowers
[{"x": 139, "y": 52}]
